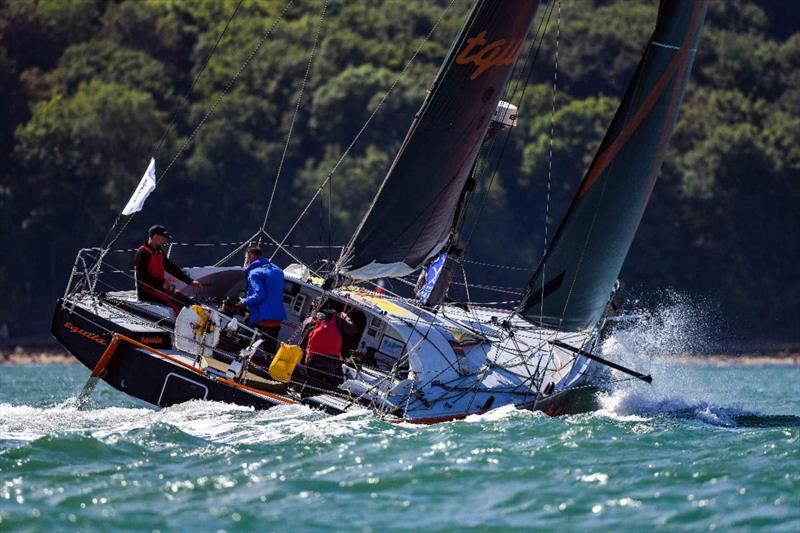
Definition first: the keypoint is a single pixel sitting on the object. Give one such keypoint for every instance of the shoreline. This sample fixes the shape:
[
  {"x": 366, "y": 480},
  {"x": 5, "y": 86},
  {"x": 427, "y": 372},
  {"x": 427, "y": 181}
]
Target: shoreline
[
  {"x": 44, "y": 355},
  {"x": 745, "y": 359},
  {"x": 55, "y": 355}
]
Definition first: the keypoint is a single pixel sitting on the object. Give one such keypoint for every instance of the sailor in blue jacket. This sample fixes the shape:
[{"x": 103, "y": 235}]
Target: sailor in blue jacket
[{"x": 264, "y": 298}]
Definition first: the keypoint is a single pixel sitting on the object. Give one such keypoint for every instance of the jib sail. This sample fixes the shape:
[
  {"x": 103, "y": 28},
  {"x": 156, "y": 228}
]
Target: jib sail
[
  {"x": 571, "y": 287},
  {"x": 412, "y": 214}
]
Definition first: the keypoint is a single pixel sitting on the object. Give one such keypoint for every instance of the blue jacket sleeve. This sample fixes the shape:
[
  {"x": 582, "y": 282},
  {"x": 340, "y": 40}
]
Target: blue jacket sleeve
[{"x": 257, "y": 291}]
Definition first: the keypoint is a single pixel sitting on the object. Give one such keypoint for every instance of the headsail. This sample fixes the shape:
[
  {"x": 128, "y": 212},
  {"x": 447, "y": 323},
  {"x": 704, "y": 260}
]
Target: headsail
[
  {"x": 412, "y": 214},
  {"x": 572, "y": 285}
]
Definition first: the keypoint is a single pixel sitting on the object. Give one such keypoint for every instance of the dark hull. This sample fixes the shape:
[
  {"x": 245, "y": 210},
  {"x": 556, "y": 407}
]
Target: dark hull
[
  {"x": 86, "y": 335},
  {"x": 162, "y": 383},
  {"x": 139, "y": 373},
  {"x": 569, "y": 402}
]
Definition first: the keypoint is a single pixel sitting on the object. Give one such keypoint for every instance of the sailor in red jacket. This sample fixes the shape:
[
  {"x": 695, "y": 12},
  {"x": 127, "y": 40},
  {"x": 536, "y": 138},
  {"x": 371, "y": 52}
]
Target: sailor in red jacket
[
  {"x": 323, "y": 345},
  {"x": 151, "y": 264}
]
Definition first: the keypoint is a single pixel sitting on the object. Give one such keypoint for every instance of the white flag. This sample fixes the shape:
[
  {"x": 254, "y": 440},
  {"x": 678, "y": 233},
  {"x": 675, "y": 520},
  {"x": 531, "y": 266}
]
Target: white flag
[{"x": 143, "y": 190}]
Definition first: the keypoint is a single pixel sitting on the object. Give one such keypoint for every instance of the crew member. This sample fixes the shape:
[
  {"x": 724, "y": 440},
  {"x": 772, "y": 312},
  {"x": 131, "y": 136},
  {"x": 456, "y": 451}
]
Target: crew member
[
  {"x": 324, "y": 345},
  {"x": 150, "y": 265},
  {"x": 264, "y": 298}
]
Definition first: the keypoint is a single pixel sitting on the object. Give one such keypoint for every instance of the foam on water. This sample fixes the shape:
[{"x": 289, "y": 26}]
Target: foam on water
[
  {"x": 650, "y": 343},
  {"x": 209, "y": 466},
  {"x": 26, "y": 423},
  {"x": 211, "y": 421},
  {"x": 634, "y": 404},
  {"x": 499, "y": 413}
]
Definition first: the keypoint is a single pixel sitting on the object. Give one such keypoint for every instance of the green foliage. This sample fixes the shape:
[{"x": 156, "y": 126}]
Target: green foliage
[
  {"x": 353, "y": 187},
  {"x": 577, "y": 129},
  {"x": 71, "y": 153},
  {"x": 599, "y": 47},
  {"x": 163, "y": 29},
  {"x": 108, "y": 62},
  {"x": 35, "y": 33},
  {"x": 738, "y": 60},
  {"x": 357, "y": 92},
  {"x": 89, "y": 86}
]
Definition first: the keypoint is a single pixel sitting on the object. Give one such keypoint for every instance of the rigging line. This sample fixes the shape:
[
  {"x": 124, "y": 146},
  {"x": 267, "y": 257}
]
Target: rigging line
[
  {"x": 477, "y": 174},
  {"x": 294, "y": 115},
  {"x": 216, "y": 103},
  {"x": 610, "y": 168},
  {"x": 480, "y": 169},
  {"x": 466, "y": 285},
  {"x": 185, "y": 101},
  {"x": 404, "y": 359},
  {"x": 491, "y": 288},
  {"x": 279, "y": 247},
  {"x": 330, "y": 214},
  {"x": 501, "y": 302},
  {"x": 550, "y": 159},
  {"x": 368, "y": 121},
  {"x": 532, "y": 61},
  {"x": 155, "y": 324},
  {"x": 197, "y": 77},
  {"x": 493, "y": 265},
  {"x": 236, "y": 250},
  {"x": 321, "y": 228}
]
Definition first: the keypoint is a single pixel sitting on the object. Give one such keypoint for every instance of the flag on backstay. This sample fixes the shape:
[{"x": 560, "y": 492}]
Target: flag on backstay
[{"x": 146, "y": 185}]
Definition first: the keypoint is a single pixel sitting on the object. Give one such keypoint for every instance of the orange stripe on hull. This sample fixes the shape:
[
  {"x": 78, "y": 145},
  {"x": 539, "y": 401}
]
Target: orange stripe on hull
[{"x": 117, "y": 338}]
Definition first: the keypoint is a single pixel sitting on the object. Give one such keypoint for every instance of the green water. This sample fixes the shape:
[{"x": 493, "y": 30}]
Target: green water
[{"x": 704, "y": 448}]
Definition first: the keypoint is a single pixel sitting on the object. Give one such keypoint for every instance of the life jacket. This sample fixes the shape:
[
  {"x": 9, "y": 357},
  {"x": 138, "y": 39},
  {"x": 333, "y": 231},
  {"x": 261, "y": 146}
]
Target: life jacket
[
  {"x": 155, "y": 267},
  {"x": 324, "y": 339}
]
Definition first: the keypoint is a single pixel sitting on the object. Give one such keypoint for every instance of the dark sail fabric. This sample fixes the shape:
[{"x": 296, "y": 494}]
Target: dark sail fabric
[
  {"x": 572, "y": 285},
  {"x": 411, "y": 216}
]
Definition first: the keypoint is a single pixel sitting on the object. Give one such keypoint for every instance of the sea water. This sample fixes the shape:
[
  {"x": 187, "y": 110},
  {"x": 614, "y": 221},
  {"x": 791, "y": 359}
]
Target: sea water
[{"x": 701, "y": 448}]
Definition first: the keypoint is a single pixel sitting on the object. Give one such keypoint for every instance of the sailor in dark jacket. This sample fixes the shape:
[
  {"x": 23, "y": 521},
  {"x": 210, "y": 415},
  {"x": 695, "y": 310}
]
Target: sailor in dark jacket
[
  {"x": 151, "y": 265},
  {"x": 264, "y": 298}
]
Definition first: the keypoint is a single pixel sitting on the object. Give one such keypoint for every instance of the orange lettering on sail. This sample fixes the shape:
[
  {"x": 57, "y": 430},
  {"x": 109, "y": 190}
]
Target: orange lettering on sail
[{"x": 496, "y": 53}]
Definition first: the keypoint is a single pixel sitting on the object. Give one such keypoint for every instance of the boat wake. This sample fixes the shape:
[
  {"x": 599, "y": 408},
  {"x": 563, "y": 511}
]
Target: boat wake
[
  {"x": 637, "y": 406},
  {"x": 651, "y": 342},
  {"x": 211, "y": 422}
]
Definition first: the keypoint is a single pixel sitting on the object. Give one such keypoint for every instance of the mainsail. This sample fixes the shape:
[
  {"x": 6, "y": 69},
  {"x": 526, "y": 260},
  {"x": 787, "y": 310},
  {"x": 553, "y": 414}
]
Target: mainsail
[
  {"x": 411, "y": 217},
  {"x": 572, "y": 285}
]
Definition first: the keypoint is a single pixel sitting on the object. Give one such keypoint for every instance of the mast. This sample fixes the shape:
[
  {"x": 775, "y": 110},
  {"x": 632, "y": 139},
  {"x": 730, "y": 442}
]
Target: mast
[
  {"x": 572, "y": 285},
  {"x": 412, "y": 215}
]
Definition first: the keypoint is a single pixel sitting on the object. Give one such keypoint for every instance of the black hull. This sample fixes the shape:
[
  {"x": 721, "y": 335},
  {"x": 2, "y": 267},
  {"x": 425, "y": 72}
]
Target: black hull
[
  {"x": 86, "y": 335},
  {"x": 162, "y": 383},
  {"x": 139, "y": 373},
  {"x": 569, "y": 402}
]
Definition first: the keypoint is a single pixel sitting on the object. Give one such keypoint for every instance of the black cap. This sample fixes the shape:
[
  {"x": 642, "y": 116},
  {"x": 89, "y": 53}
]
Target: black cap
[{"x": 159, "y": 230}]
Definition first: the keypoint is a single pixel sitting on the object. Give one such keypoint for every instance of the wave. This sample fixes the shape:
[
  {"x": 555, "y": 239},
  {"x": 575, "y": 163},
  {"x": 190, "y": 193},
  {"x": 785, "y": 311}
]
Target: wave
[
  {"x": 214, "y": 422},
  {"x": 649, "y": 342},
  {"x": 637, "y": 405}
]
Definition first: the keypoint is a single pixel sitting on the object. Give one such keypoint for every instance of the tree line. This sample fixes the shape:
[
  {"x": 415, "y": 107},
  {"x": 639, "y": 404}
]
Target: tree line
[{"x": 92, "y": 88}]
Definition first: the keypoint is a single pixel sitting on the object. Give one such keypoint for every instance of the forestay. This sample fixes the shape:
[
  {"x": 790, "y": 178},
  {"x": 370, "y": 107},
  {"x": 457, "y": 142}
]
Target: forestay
[
  {"x": 571, "y": 287},
  {"x": 412, "y": 214}
]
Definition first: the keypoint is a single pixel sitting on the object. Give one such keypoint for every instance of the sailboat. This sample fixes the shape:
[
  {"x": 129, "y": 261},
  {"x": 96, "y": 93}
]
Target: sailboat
[{"x": 420, "y": 359}]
